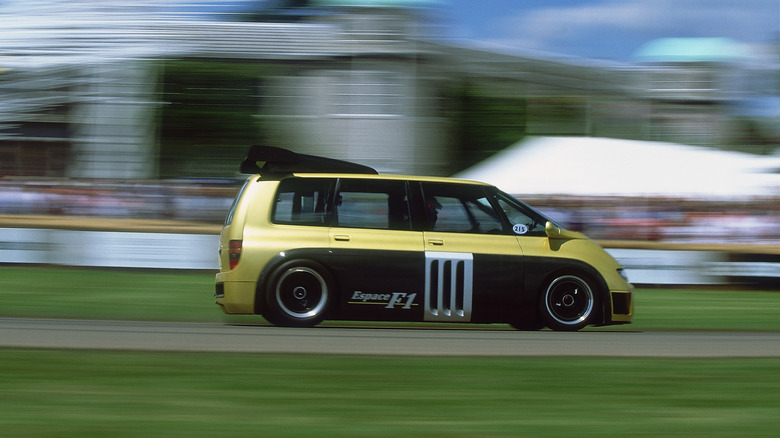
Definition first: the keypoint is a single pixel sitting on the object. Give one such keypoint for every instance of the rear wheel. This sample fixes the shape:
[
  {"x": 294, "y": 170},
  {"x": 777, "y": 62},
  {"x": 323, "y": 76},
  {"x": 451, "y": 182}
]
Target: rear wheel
[
  {"x": 568, "y": 303},
  {"x": 298, "y": 294}
]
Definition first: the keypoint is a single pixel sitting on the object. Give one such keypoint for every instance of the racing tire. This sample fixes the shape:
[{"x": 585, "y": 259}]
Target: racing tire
[
  {"x": 298, "y": 294},
  {"x": 568, "y": 303}
]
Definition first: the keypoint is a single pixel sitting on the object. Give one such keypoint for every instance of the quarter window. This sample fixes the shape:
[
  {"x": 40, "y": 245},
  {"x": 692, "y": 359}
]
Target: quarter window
[
  {"x": 232, "y": 211},
  {"x": 524, "y": 220}
]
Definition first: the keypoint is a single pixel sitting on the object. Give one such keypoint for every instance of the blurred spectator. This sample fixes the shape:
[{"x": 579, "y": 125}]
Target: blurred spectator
[{"x": 601, "y": 218}]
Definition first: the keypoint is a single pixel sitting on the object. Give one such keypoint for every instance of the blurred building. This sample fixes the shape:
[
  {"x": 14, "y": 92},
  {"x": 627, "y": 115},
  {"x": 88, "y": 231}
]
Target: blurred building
[
  {"x": 705, "y": 91},
  {"x": 89, "y": 90}
]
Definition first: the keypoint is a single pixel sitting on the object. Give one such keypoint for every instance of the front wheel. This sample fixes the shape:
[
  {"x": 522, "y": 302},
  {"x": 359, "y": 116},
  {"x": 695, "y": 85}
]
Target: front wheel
[
  {"x": 567, "y": 303},
  {"x": 298, "y": 294}
]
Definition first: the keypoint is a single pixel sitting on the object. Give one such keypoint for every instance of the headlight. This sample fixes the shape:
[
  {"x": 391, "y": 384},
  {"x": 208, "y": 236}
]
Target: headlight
[{"x": 622, "y": 273}]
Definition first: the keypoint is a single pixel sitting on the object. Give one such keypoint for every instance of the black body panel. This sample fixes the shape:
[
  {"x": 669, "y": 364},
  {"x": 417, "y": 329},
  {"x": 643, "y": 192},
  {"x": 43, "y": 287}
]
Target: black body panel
[
  {"x": 390, "y": 285},
  {"x": 379, "y": 285}
]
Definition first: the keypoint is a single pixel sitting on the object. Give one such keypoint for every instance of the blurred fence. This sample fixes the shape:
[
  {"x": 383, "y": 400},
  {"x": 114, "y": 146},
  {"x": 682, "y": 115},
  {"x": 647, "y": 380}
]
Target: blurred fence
[
  {"x": 108, "y": 249},
  {"x": 159, "y": 250}
]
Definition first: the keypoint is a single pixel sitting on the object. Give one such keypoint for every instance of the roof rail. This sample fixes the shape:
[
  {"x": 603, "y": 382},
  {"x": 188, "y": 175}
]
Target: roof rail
[{"x": 273, "y": 160}]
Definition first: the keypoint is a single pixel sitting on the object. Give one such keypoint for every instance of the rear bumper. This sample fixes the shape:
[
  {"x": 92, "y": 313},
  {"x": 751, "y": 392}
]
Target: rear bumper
[{"x": 235, "y": 297}]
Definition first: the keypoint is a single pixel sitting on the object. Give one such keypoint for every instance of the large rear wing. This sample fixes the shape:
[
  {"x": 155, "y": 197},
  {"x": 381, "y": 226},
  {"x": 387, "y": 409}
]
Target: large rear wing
[{"x": 273, "y": 160}]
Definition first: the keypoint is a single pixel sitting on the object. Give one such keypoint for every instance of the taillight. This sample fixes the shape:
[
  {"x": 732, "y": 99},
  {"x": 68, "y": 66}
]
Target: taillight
[{"x": 234, "y": 253}]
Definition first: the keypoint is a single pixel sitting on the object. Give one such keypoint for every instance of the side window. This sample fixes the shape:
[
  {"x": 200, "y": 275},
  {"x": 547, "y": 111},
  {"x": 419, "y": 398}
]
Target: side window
[
  {"x": 302, "y": 201},
  {"x": 460, "y": 208},
  {"x": 524, "y": 220},
  {"x": 372, "y": 204}
]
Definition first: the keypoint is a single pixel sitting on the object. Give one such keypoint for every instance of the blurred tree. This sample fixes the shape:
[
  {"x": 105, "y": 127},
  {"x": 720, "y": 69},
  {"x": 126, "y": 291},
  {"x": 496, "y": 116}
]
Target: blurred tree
[
  {"x": 208, "y": 120},
  {"x": 484, "y": 124}
]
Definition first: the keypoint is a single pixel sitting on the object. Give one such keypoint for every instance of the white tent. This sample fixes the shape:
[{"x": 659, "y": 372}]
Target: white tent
[{"x": 604, "y": 166}]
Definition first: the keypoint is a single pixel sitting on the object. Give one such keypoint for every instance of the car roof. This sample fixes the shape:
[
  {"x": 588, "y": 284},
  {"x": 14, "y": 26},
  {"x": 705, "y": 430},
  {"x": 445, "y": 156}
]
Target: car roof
[{"x": 392, "y": 177}]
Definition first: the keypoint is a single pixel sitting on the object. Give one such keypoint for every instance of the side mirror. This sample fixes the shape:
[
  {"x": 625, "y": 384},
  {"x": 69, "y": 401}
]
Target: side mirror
[{"x": 555, "y": 232}]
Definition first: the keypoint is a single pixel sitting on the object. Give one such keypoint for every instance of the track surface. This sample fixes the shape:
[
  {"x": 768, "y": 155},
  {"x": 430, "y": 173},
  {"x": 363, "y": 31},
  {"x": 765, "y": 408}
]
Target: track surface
[{"x": 206, "y": 337}]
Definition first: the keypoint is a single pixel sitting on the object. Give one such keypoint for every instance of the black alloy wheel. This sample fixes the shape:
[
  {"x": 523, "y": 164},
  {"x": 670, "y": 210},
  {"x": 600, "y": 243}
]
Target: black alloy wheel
[
  {"x": 568, "y": 303},
  {"x": 298, "y": 294}
]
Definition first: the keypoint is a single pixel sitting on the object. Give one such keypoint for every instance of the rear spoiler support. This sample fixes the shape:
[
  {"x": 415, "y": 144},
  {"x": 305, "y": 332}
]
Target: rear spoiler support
[{"x": 273, "y": 160}]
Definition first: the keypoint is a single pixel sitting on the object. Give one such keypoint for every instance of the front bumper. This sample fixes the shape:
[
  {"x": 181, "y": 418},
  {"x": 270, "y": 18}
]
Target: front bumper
[{"x": 622, "y": 305}]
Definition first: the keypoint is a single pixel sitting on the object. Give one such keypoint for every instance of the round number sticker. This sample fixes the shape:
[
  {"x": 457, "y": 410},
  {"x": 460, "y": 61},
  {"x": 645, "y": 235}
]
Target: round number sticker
[{"x": 520, "y": 229}]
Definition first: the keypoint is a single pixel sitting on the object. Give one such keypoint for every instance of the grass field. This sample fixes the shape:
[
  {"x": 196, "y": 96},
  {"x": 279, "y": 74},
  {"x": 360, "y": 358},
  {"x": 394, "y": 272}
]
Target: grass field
[
  {"x": 125, "y": 394},
  {"x": 57, "y": 393}
]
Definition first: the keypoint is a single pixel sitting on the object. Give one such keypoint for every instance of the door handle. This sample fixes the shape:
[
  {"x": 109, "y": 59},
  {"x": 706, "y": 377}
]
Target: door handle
[
  {"x": 436, "y": 242},
  {"x": 341, "y": 237}
]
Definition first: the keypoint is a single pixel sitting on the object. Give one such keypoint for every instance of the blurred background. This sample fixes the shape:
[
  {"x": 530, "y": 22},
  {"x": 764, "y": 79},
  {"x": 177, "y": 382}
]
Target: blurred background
[{"x": 640, "y": 120}]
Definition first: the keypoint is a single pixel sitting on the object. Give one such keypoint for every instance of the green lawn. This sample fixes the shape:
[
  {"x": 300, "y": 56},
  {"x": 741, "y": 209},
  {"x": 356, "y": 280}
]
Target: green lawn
[
  {"x": 125, "y": 394},
  {"x": 63, "y": 394},
  {"x": 108, "y": 294}
]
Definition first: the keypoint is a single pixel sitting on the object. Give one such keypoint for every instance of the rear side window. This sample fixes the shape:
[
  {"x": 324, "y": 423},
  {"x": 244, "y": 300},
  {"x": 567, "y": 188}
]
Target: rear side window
[
  {"x": 372, "y": 204},
  {"x": 302, "y": 201}
]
